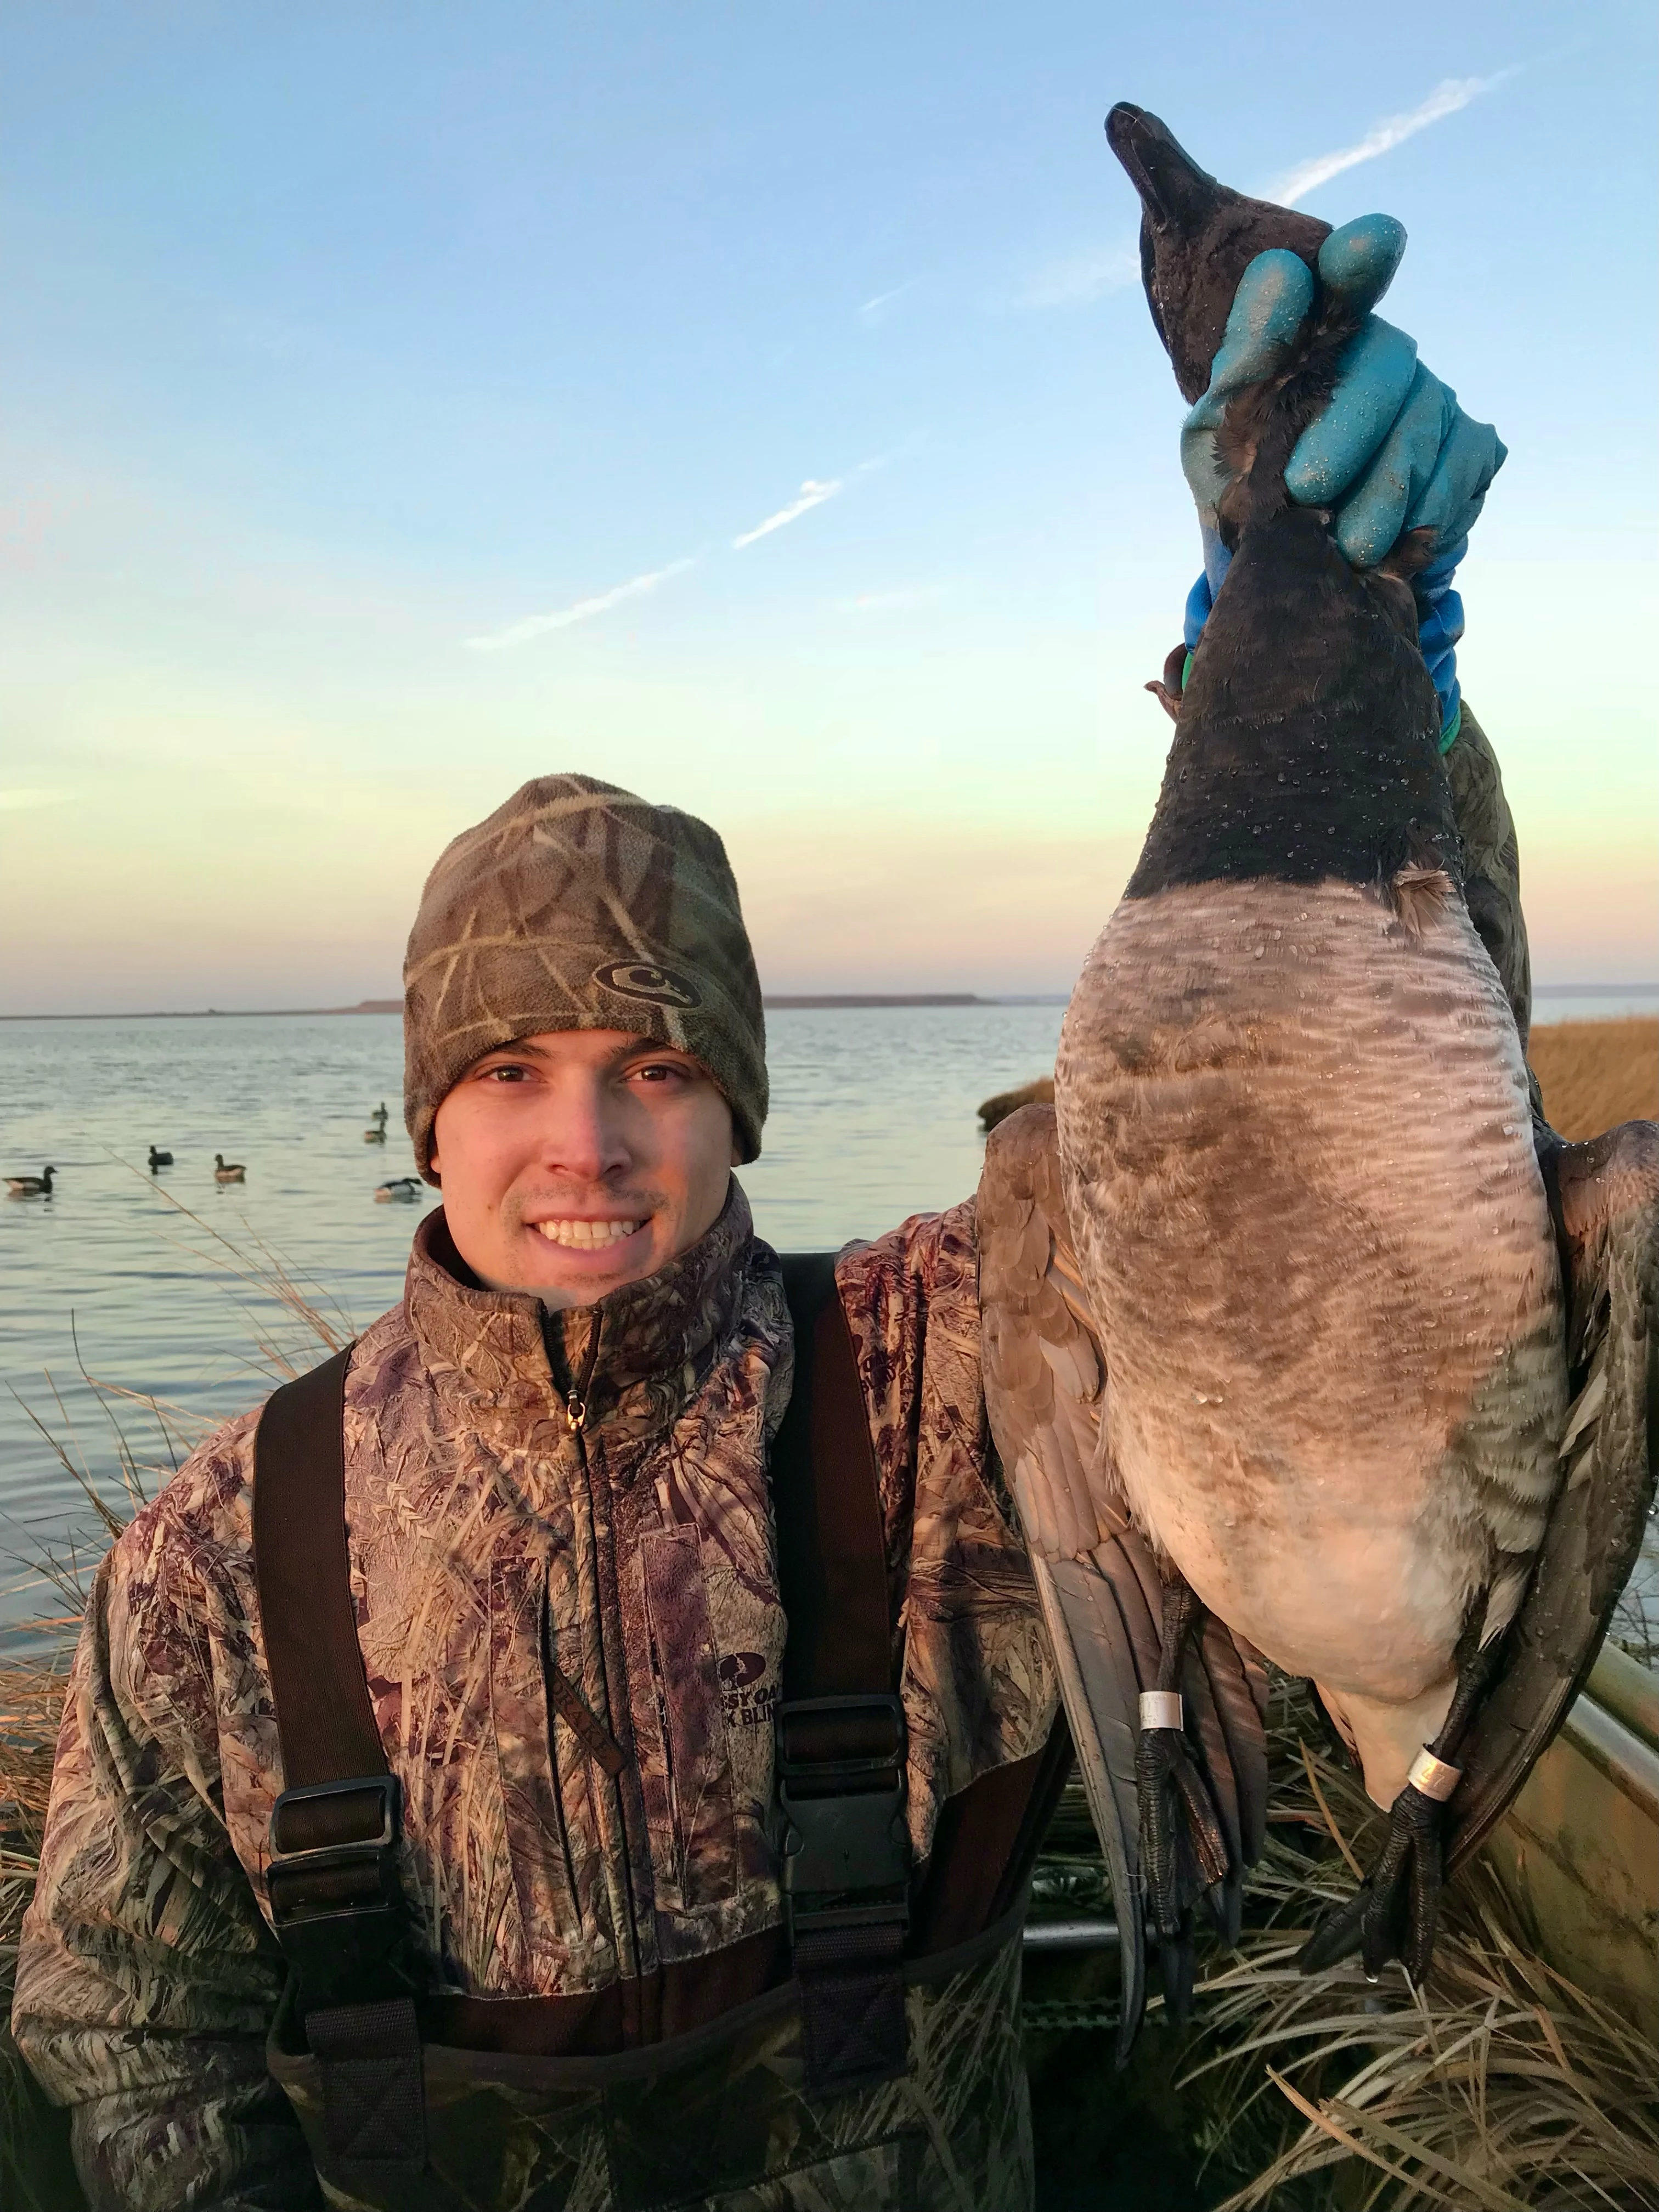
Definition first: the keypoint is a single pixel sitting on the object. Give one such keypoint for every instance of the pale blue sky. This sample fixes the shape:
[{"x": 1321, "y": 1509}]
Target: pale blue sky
[{"x": 340, "y": 339}]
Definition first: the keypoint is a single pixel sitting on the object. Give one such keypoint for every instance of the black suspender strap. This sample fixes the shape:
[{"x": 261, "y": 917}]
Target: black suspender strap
[
  {"x": 840, "y": 1743},
  {"x": 303, "y": 1569},
  {"x": 336, "y": 1903}
]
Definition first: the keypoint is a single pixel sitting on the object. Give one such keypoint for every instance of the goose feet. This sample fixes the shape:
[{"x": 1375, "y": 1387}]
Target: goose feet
[
  {"x": 1184, "y": 1847},
  {"x": 1184, "y": 1850},
  {"x": 1393, "y": 1914},
  {"x": 1395, "y": 1911}
]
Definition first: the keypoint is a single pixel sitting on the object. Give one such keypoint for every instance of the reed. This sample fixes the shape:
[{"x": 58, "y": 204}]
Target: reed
[
  {"x": 136, "y": 1443},
  {"x": 36, "y": 2172},
  {"x": 1040, "y": 1093},
  {"x": 1594, "y": 1075},
  {"x": 1496, "y": 2085}
]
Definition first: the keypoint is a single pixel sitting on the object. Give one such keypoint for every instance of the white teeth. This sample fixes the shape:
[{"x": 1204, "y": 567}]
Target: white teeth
[{"x": 585, "y": 1236}]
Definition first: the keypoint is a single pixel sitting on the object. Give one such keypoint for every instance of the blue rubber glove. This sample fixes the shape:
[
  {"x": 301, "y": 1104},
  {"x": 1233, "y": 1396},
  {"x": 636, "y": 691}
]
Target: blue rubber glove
[{"x": 1392, "y": 452}]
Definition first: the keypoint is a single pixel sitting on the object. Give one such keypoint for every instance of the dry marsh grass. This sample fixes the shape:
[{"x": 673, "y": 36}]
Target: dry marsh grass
[
  {"x": 134, "y": 1444},
  {"x": 1040, "y": 1093},
  {"x": 1595, "y": 1074},
  {"x": 1500, "y": 2084}
]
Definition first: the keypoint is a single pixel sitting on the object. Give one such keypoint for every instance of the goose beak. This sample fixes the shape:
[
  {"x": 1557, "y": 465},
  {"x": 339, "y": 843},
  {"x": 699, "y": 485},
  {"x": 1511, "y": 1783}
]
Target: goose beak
[{"x": 1176, "y": 194}]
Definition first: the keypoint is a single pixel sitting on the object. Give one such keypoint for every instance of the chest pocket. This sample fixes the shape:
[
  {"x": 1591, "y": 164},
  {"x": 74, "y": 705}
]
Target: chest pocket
[{"x": 686, "y": 1770}]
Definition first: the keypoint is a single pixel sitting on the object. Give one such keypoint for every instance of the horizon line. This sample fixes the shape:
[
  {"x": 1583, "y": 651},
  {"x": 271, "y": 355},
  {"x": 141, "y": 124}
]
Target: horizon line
[{"x": 781, "y": 1000}]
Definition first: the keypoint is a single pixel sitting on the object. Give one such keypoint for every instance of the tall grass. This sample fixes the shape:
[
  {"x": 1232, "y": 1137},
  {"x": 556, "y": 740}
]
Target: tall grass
[
  {"x": 998, "y": 1109},
  {"x": 1497, "y": 2085},
  {"x": 1595, "y": 1074},
  {"x": 135, "y": 1444}
]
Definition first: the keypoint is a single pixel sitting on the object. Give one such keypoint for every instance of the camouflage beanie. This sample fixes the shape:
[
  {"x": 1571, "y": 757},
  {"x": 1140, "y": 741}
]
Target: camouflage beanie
[{"x": 577, "y": 906}]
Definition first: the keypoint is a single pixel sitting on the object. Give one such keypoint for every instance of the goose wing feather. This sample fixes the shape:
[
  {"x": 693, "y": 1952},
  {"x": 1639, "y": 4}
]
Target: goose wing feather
[
  {"x": 1605, "y": 1197},
  {"x": 1045, "y": 1387}
]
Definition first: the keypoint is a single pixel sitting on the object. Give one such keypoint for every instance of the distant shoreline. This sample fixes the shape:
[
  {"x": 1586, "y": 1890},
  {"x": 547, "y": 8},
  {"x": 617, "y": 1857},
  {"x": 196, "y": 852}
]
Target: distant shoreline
[{"x": 784, "y": 1001}]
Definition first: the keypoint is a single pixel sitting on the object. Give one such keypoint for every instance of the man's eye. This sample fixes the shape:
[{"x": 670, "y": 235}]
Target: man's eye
[
  {"x": 660, "y": 1071},
  {"x": 509, "y": 1074}
]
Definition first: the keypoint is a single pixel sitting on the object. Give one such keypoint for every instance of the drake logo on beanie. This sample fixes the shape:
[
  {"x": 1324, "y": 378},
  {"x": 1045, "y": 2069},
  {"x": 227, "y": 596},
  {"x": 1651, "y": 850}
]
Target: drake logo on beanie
[{"x": 638, "y": 979}]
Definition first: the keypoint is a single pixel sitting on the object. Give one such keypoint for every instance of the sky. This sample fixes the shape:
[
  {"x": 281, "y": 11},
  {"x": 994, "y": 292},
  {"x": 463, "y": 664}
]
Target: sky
[{"x": 754, "y": 405}]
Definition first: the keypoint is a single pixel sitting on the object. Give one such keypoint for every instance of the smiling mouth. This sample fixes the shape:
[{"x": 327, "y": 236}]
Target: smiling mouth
[{"x": 586, "y": 1236}]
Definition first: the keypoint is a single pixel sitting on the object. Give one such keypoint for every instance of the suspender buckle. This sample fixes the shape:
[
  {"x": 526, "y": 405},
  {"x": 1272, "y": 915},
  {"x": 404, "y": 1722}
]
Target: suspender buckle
[
  {"x": 846, "y": 1858},
  {"x": 335, "y": 1902}
]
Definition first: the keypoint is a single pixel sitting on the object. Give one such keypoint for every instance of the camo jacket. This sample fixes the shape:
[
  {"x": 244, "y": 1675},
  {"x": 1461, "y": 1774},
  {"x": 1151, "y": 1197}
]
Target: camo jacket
[{"x": 492, "y": 1539}]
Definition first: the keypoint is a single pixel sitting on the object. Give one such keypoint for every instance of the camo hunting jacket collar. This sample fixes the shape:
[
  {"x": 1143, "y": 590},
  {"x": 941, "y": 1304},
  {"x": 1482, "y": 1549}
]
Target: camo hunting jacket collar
[{"x": 632, "y": 1360}]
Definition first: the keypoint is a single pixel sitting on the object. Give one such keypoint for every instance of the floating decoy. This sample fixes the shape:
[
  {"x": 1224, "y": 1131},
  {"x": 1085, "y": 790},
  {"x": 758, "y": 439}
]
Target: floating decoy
[
  {"x": 1299, "y": 1341},
  {"x": 376, "y": 1135},
  {"x": 159, "y": 1159},
  {"x": 400, "y": 1187},
  {"x": 380, "y": 1114},
  {"x": 30, "y": 1186},
  {"x": 228, "y": 1170}
]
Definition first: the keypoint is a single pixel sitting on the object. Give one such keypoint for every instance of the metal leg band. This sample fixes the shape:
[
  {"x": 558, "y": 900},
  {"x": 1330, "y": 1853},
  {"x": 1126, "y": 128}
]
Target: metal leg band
[{"x": 1433, "y": 1777}]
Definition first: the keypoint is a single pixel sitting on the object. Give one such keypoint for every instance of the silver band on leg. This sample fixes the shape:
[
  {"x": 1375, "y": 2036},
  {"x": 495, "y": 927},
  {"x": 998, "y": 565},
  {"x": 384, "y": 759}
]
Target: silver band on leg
[
  {"x": 1430, "y": 1777},
  {"x": 1161, "y": 1709}
]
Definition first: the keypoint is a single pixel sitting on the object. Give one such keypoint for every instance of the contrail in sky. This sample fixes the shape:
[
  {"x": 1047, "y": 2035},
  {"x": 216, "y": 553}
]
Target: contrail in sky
[
  {"x": 521, "y": 633},
  {"x": 870, "y": 310},
  {"x": 1090, "y": 275},
  {"x": 812, "y": 494},
  {"x": 1451, "y": 94}
]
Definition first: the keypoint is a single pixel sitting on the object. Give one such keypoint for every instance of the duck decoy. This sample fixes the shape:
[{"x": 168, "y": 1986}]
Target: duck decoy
[
  {"x": 159, "y": 1159},
  {"x": 400, "y": 1187},
  {"x": 1299, "y": 1339},
  {"x": 228, "y": 1170},
  {"x": 380, "y": 1114},
  {"x": 376, "y": 1135},
  {"x": 30, "y": 1186}
]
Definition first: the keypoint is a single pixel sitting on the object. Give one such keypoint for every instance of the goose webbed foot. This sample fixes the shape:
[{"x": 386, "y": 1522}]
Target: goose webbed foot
[
  {"x": 1183, "y": 1852},
  {"x": 1183, "y": 1846},
  {"x": 1395, "y": 1912}
]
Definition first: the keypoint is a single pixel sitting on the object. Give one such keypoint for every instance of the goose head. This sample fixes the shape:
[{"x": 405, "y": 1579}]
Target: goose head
[{"x": 1197, "y": 239}]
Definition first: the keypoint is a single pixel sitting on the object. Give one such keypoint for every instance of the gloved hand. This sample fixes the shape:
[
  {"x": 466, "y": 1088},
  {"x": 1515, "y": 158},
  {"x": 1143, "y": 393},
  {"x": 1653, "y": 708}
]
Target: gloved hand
[{"x": 1392, "y": 452}]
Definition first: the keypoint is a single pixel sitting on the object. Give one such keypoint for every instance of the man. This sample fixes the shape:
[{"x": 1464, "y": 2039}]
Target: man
[{"x": 579, "y": 1974}]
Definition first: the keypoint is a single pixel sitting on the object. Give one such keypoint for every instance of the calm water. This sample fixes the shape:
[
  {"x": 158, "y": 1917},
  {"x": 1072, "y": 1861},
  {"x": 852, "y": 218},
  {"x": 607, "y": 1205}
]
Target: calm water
[
  {"x": 1573, "y": 1003},
  {"x": 873, "y": 1118}
]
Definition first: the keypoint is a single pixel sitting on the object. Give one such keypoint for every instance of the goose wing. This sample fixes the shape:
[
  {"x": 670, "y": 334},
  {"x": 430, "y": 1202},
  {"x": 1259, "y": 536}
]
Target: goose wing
[
  {"x": 1605, "y": 1198},
  {"x": 1045, "y": 1389}
]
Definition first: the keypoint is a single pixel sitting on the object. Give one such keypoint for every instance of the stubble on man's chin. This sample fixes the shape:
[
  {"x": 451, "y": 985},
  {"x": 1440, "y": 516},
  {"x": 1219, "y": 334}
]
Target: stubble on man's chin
[{"x": 557, "y": 1297}]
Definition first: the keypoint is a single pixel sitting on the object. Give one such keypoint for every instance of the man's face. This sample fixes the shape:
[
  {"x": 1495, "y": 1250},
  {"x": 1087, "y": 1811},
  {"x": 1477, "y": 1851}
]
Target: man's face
[{"x": 580, "y": 1160}]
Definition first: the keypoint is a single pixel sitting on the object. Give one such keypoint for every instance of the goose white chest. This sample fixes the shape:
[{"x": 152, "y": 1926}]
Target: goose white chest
[{"x": 1300, "y": 1168}]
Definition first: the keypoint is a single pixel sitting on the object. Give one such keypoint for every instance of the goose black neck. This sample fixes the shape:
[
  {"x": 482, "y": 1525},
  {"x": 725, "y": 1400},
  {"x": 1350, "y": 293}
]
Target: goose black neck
[{"x": 1308, "y": 743}]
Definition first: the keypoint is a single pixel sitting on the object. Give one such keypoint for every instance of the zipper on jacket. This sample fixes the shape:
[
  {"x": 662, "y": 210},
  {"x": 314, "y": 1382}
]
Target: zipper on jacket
[
  {"x": 575, "y": 1397},
  {"x": 575, "y": 1408}
]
